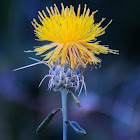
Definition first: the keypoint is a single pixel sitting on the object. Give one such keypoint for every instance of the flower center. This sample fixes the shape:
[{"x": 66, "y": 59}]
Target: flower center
[{"x": 71, "y": 43}]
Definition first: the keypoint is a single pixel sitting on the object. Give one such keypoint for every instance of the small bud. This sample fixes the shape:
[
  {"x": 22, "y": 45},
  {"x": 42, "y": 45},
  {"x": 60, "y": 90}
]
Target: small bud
[
  {"x": 62, "y": 76},
  {"x": 68, "y": 73},
  {"x": 72, "y": 79},
  {"x": 57, "y": 70},
  {"x": 56, "y": 78},
  {"x": 52, "y": 73}
]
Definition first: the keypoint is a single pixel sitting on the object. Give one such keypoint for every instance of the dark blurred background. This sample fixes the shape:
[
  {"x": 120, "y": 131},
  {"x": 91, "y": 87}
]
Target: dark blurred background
[{"x": 110, "y": 111}]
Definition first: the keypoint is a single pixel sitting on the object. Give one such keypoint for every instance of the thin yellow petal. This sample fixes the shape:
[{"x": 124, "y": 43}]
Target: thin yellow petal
[
  {"x": 73, "y": 36},
  {"x": 44, "y": 48},
  {"x": 64, "y": 52}
]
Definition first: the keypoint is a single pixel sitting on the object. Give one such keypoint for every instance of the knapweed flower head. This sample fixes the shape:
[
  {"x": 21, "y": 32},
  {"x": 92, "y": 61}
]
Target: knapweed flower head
[{"x": 73, "y": 36}]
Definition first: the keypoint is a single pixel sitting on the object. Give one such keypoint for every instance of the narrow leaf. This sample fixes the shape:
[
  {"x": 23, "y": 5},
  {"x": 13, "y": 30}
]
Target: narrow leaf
[
  {"x": 75, "y": 99},
  {"x": 77, "y": 128},
  {"x": 47, "y": 120}
]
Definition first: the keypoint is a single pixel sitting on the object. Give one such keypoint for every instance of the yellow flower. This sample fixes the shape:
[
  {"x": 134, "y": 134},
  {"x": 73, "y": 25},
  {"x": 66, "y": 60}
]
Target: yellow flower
[{"x": 72, "y": 35}]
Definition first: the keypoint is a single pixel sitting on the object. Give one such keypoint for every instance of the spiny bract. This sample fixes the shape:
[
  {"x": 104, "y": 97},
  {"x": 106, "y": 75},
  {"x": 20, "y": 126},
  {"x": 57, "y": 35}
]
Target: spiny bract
[{"x": 62, "y": 76}]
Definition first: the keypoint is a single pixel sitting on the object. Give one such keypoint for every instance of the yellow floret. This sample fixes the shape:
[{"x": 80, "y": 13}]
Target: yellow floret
[{"x": 73, "y": 36}]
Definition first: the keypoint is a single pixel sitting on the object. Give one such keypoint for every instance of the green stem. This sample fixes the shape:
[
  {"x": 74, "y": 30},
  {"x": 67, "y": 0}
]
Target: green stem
[{"x": 64, "y": 112}]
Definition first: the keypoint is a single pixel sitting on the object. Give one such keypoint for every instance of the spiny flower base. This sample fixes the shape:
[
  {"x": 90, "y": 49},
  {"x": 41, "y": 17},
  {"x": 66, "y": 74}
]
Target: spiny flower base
[{"x": 62, "y": 76}]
